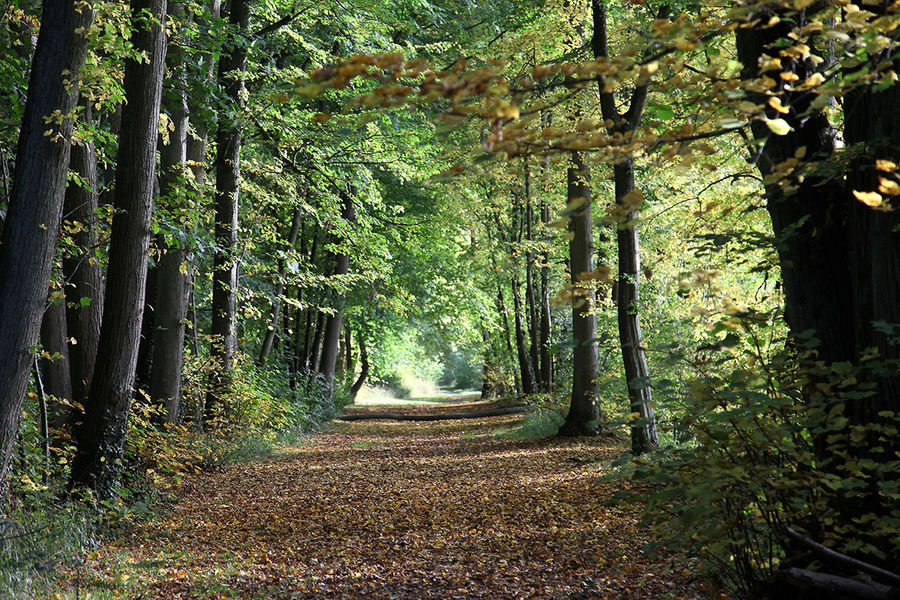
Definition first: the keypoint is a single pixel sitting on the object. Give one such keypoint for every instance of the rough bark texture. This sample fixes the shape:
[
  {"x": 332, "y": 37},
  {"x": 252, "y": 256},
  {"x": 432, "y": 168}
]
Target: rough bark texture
[
  {"x": 84, "y": 297},
  {"x": 35, "y": 203},
  {"x": 332, "y": 335},
  {"x": 171, "y": 299},
  {"x": 584, "y": 410},
  {"x": 228, "y": 175},
  {"x": 101, "y": 437}
]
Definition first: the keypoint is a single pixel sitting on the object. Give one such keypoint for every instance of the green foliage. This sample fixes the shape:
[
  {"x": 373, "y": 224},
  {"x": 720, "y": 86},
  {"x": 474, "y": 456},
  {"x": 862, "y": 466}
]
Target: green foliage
[{"x": 760, "y": 445}]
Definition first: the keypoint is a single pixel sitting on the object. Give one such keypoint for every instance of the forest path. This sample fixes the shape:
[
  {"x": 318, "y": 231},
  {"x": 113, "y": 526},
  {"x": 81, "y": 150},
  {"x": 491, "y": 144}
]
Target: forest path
[{"x": 406, "y": 510}]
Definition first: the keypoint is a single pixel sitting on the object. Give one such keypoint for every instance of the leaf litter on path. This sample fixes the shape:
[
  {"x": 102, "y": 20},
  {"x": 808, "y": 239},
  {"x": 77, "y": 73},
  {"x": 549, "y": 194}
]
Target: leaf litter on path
[{"x": 401, "y": 510}]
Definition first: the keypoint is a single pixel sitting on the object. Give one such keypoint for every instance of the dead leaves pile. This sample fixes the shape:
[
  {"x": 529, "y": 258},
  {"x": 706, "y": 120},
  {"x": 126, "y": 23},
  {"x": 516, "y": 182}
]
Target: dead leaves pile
[{"x": 401, "y": 510}]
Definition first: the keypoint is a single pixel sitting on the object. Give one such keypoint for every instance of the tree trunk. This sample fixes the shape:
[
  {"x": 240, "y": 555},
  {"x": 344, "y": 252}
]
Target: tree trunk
[
  {"x": 584, "y": 410},
  {"x": 643, "y": 430},
  {"x": 101, "y": 437},
  {"x": 364, "y": 372},
  {"x": 35, "y": 203},
  {"x": 228, "y": 175},
  {"x": 171, "y": 299},
  {"x": 544, "y": 343},
  {"x": 55, "y": 373},
  {"x": 528, "y": 387},
  {"x": 530, "y": 300},
  {"x": 507, "y": 336},
  {"x": 269, "y": 339},
  {"x": 84, "y": 299},
  {"x": 333, "y": 322}
]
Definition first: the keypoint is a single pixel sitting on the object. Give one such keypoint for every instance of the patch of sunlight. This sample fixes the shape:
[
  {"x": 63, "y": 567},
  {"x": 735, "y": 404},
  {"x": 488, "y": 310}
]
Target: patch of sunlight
[{"x": 420, "y": 395}]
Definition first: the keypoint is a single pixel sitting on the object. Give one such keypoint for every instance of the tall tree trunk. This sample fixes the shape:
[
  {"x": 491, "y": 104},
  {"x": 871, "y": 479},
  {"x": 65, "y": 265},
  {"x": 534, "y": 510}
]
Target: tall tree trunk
[
  {"x": 228, "y": 174},
  {"x": 333, "y": 322},
  {"x": 171, "y": 298},
  {"x": 364, "y": 372},
  {"x": 101, "y": 437},
  {"x": 530, "y": 299},
  {"x": 584, "y": 411},
  {"x": 643, "y": 429},
  {"x": 507, "y": 336},
  {"x": 35, "y": 203},
  {"x": 544, "y": 342},
  {"x": 56, "y": 373},
  {"x": 527, "y": 375},
  {"x": 84, "y": 300},
  {"x": 269, "y": 338}
]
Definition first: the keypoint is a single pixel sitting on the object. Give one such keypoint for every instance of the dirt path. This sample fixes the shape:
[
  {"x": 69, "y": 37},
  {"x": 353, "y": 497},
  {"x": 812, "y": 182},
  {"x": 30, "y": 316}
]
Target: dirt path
[{"x": 406, "y": 510}]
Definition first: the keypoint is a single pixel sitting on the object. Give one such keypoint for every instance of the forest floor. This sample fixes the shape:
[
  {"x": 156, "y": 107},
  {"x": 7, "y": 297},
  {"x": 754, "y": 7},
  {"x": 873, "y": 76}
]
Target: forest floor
[{"x": 405, "y": 510}]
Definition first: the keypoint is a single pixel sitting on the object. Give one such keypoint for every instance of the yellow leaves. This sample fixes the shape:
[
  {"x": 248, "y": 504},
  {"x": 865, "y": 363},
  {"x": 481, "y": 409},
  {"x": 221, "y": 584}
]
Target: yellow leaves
[
  {"x": 632, "y": 200},
  {"x": 886, "y": 166},
  {"x": 888, "y": 187},
  {"x": 871, "y": 199},
  {"x": 775, "y": 102},
  {"x": 322, "y": 117},
  {"x": 778, "y": 126}
]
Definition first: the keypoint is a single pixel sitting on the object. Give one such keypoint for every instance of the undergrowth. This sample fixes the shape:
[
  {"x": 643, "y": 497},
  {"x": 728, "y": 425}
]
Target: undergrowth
[{"x": 45, "y": 533}]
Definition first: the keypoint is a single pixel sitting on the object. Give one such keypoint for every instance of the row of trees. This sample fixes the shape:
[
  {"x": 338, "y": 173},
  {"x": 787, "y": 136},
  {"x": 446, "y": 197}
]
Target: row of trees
[{"x": 215, "y": 185}]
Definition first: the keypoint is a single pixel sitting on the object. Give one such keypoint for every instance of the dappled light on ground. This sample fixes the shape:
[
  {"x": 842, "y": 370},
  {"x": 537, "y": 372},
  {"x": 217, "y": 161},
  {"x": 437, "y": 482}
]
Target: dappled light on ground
[{"x": 402, "y": 510}]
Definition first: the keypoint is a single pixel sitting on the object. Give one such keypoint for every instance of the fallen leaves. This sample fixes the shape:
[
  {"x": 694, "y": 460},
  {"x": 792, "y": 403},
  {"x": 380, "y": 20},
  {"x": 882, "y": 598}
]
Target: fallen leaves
[{"x": 402, "y": 510}]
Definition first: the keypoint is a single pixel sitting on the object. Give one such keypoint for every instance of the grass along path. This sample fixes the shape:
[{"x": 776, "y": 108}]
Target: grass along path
[{"x": 406, "y": 510}]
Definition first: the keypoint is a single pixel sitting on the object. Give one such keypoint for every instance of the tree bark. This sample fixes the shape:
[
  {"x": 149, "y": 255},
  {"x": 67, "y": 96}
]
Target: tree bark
[
  {"x": 101, "y": 437},
  {"x": 332, "y": 334},
  {"x": 546, "y": 332},
  {"x": 228, "y": 175},
  {"x": 584, "y": 411},
  {"x": 524, "y": 359},
  {"x": 643, "y": 429},
  {"x": 56, "y": 373},
  {"x": 171, "y": 297},
  {"x": 530, "y": 298},
  {"x": 84, "y": 299},
  {"x": 35, "y": 203}
]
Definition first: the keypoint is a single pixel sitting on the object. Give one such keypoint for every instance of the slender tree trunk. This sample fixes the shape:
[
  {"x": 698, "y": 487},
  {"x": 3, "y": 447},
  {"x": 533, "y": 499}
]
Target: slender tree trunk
[
  {"x": 364, "y": 372},
  {"x": 35, "y": 203},
  {"x": 643, "y": 431},
  {"x": 56, "y": 374},
  {"x": 84, "y": 299},
  {"x": 507, "y": 336},
  {"x": 527, "y": 375},
  {"x": 101, "y": 437},
  {"x": 530, "y": 300},
  {"x": 544, "y": 343},
  {"x": 171, "y": 299},
  {"x": 584, "y": 411},
  {"x": 333, "y": 322},
  {"x": 228, "y": 175},
  {"x": 316, "y": 347},
  {"x": 269, "y": 338}
]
